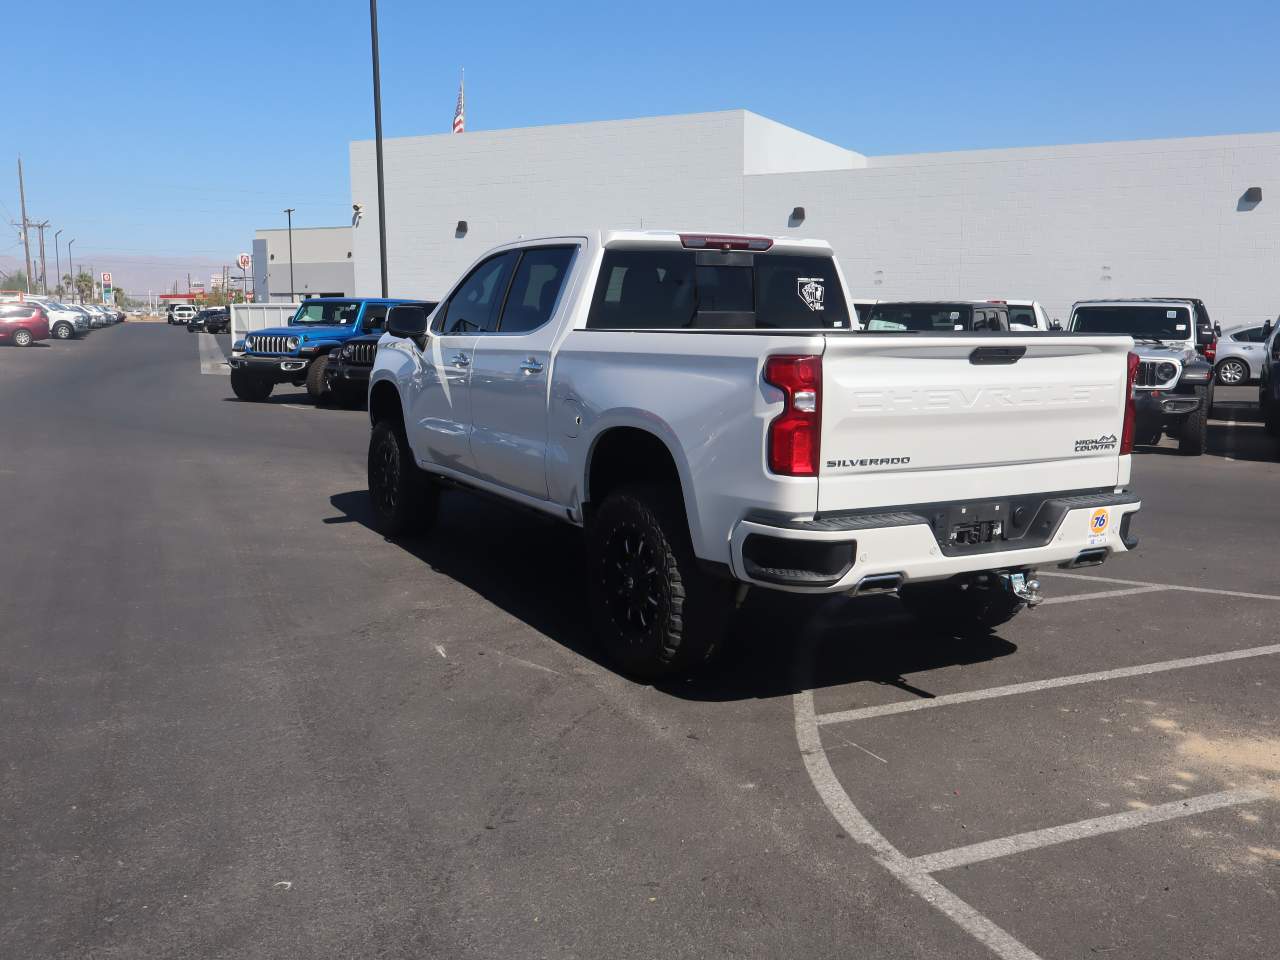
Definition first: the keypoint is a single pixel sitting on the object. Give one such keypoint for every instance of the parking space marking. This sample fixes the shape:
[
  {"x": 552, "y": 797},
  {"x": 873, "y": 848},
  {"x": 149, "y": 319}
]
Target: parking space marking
[
  {"x": 998, "y": 940},
  {"x": 1034, "y": 686},
  {"x": 212, "y": 359},
  {"x": 1104, "y": 594},
  {"x": 1082, "y": 829},
  {"x": 1162, "y": 586}
]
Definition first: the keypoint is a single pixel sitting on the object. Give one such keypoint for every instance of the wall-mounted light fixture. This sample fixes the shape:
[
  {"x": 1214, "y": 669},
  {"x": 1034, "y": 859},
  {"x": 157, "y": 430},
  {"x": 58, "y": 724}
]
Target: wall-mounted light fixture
[
  {"x": 796, "y": 218},
  {"x": 461, "y": 229},
  {"x": 1253, "y": 195}
]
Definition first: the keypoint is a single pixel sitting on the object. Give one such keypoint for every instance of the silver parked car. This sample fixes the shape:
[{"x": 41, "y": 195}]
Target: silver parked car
[{"x": 1239, "y": 359}]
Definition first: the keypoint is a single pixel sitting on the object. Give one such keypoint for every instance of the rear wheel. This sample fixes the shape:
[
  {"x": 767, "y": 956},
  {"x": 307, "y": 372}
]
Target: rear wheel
[
  {"x": 1232, "y": 372},
  {"x": 22, "y": 337},
  {"x": 961, "y": 609},
  {"x": 316, "y": 386},
  {"x": 653, "y": 610},
  {"x": 404, "y": 500},
  {"x": 248, "y": 387}
]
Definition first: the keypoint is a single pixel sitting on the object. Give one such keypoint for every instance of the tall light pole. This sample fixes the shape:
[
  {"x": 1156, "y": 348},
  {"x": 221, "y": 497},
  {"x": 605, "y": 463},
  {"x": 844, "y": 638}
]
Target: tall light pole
[
  {"x": 57, "y": 260},
  {"x": 22, "y": 195},
  {"x": 288, "y": 213},
  {"x": 71, "y": 266},
  {"x": 377, "y": 138}
]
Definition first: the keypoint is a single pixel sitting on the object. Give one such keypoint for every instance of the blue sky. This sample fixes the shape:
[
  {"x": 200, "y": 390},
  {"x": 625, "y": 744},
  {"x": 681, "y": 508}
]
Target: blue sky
[{"x": 154, "y": 130}]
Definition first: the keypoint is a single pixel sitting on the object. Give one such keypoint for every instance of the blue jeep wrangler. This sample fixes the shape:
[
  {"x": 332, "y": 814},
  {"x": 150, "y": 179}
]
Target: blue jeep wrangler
[{"x": 298, "y": 354}]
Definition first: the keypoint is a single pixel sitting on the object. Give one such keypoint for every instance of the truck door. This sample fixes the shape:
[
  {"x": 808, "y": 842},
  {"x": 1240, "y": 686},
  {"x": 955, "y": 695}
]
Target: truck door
[
  {"x": 512, "y": 371},
  {"x": 441, "y": 409}
]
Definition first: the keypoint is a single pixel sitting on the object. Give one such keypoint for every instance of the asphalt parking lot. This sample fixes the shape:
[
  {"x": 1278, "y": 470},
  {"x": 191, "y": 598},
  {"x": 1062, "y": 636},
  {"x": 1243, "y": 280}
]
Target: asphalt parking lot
[{"x": 238, "y": 723}]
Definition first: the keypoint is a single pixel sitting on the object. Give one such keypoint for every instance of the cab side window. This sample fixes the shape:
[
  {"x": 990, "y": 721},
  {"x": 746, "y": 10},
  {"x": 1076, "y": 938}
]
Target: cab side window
[
  {"x": 474, "y": 306},
  {"x": 535, "y": 288}
]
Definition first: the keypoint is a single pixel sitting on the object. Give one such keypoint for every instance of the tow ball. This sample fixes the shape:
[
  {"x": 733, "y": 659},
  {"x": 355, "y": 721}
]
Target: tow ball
[{"x": 1025, "y": 588}]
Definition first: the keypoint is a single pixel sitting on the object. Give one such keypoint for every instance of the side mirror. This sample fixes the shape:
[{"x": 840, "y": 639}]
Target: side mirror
[
  {"x": 408, "y": 322},
  {"x": 1055, "y": 324}
]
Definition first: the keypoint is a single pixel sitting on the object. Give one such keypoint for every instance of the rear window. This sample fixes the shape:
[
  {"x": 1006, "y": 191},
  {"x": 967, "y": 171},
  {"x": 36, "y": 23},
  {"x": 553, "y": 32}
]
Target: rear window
[
  {"x": 929, "y": 317},
  {"x": 1136, "y": 320},
  {"x": 1023, "y": 315},
  {"x": 710, "y": 290}
]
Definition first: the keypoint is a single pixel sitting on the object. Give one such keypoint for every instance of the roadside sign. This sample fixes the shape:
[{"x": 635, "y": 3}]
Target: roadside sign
[
  {"x": 244, "y": 260},
  {"x": 106, "y": 288}
]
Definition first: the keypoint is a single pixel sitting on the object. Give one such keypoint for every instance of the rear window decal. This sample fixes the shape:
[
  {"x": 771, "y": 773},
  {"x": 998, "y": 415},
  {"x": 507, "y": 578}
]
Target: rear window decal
[{"x": 811, "y": 291}]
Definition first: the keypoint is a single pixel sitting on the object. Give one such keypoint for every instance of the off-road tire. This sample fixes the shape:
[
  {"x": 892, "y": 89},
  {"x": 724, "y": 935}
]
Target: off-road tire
[
  {"x": 248, "y": 387},
  {"x": 22, "y": 337},
  {"x": 653, "y": 611},
  {"x": 1193, "y": 434},
  {"x": 403, "y": 498},
  {"x": 316, "y": 386},
  {"x": 960, "y": 609},
  {"x": 64, "y": 331}
]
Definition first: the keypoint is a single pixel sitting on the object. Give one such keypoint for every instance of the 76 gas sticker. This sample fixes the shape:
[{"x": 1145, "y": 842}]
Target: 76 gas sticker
[{"x": 1099, "y": 524}]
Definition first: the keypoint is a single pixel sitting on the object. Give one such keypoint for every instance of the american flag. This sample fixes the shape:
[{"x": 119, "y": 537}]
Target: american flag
[{"x": 459, "y": 115}]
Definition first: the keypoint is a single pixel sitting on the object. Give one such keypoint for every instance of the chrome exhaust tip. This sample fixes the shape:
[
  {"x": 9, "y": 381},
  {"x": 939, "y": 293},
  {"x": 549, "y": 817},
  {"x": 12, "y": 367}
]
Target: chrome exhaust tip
[{"x": 877, "y": 583}]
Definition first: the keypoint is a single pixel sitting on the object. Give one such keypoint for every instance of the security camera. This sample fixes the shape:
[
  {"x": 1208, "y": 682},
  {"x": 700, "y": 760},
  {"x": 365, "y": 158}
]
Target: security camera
[
  {"x": 357, "y": 211},
  {"x": 358, "y": 207}
]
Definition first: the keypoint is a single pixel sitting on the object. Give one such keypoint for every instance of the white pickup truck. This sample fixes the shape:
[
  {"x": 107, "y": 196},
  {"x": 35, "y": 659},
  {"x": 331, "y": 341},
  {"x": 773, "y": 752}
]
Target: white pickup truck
[{"x": 702, "y": 407}]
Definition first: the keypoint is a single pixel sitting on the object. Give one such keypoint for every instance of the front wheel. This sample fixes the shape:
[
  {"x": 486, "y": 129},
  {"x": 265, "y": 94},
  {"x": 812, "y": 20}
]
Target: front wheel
[
  {"x": 248, "y": 387},
  {"x": 404, "y": 501},
  {"x": 653, "y": 610},
  {"x": 63, "y": 331},
  {"x": 317, "y": 388},
  {"x": 1232, "y": 372},
  {"x": 1193, "y": 436},
  {"x": 961, "y": 609}
]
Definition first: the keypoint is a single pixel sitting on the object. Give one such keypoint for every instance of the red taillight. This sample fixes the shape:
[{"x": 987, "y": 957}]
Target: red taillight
[
  {"x": 1130, "y": 411},
  {"x": 795, "y": 433},
  {"x": 1211, "y": 350},
  {"x": 700, "y": 241}
]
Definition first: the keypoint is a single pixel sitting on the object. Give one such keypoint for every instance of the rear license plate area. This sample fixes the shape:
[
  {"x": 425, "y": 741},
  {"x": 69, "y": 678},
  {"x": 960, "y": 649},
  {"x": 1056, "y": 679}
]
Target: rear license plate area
[{"x": 972, "y": 525}]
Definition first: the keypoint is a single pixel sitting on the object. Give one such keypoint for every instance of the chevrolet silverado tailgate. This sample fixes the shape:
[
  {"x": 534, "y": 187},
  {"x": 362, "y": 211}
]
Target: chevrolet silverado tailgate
[{"x": 910, "y": 419}]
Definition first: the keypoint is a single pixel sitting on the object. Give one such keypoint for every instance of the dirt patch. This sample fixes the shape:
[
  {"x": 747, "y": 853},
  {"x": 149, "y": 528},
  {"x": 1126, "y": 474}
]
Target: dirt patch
[{"x": 1243, "y": 761}]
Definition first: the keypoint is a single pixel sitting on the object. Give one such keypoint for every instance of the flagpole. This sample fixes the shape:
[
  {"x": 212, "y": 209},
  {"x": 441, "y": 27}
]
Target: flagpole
[{"x": 377, "y": 136}]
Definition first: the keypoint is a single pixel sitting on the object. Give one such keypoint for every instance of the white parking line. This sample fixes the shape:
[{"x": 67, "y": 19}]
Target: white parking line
[
  {"x": 1034, "y": 839},
  {"x": 998, "y": 940},
  {"x": 950, "y": 699},
  {"x": 211, "y": 357},
  {"x": 1161, "y": 586},
  {"x": 1103, "y": 594}
]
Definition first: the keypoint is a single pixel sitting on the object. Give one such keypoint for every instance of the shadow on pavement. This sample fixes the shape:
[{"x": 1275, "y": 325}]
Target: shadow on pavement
[
  {"x": 532, "y": 568},
  {"x": 1244, "y": 441}
]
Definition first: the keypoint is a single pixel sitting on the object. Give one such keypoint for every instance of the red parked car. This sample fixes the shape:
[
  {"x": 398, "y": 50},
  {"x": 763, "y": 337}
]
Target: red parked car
[{"x": 22, "y": 324}]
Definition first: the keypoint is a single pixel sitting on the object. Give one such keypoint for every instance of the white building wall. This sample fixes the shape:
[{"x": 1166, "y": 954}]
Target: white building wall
[
  {"x": 652, "y": 172},
  {"x": 1058, "y": 224},
  {"x": 1055, "y": 224}
]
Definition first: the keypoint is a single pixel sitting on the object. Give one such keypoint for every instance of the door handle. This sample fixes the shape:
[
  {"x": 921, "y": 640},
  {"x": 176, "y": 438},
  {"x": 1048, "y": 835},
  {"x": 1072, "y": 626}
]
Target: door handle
[
  {"x": 461, "y": 360},
  {"x": 531, "y": 366}
]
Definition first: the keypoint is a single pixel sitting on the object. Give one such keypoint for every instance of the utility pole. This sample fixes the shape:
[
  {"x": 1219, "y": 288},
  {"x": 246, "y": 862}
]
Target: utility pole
[
  {"x": 377, "y": 137},
  {"x": 44, "y": 268},
  {"x": 26, "y": 241},
  {"x": 188, "y": 284},
  {"x": 57, "y": 260},
  {"x": 288, "y": 213},
  {"x": 71, "y": 266}
]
